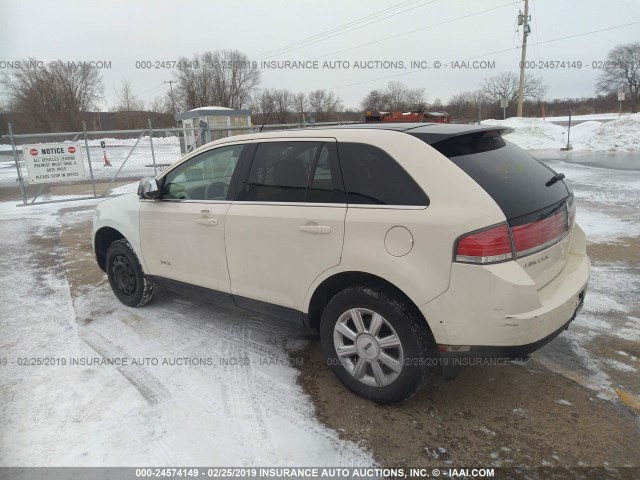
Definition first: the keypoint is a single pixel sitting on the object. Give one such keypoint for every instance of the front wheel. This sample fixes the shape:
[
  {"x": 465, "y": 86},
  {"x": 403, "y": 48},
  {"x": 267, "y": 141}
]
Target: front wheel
[
  {"x": 376, "y": 344},
  {"x": 125, "y": 275}
]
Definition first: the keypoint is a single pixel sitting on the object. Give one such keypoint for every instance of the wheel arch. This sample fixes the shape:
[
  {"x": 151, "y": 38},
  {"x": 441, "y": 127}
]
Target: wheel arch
[
  {"x": 337, "y": 282},
  {"x": 104, "y": 237}
]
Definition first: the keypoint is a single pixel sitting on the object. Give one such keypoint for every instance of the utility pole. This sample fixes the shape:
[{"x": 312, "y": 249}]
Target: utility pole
[
  {"x": 173, "y": 100},
  {"x": 525, "y": 32}
]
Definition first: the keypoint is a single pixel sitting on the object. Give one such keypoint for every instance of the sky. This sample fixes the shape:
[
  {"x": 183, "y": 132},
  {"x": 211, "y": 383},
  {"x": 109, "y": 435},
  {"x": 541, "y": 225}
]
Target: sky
[{"x": 366, "y": 44}]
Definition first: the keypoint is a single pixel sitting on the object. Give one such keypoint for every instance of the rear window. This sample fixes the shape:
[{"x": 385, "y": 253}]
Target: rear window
[{"x": 518, "y": 182}]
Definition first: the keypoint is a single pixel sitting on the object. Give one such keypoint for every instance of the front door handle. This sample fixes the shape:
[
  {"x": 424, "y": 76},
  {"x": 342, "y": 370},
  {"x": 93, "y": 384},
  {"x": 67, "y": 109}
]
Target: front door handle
[
  {"x": 315, "y": 228},
  {"x": 207, "y": 221}
]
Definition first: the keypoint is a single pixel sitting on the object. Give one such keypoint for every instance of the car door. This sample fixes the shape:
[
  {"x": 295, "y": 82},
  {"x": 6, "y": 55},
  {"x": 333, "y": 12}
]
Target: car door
[
  {"x": 182, "y": 233},
  {"x": 286, "y": 225}
]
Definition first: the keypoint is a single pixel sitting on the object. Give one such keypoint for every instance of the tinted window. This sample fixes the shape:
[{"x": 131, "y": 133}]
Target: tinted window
[
  {"x": 323, "y": 183},
  {"x": 292, "y": 172},
  {"x": 515, "y": 179},
  {"x": 371, "y": 176},
  {"x": 204, "y": 177}
]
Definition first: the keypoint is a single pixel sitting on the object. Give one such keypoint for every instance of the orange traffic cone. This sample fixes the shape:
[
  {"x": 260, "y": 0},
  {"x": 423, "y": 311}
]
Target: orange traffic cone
[{"x": 106, "y": 160}]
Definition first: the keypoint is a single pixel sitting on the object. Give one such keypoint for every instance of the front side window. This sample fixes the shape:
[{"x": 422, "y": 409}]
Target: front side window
[
  {"x": 371, "y": 176},
  {"x": 292, "y": 172},
  {"x": 204, "y": 177}
]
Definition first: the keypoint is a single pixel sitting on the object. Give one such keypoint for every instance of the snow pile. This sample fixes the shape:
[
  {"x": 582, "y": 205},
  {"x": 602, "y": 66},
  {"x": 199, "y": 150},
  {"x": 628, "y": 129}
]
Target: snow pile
[
  {"x": 532, "y": 133},
  {"x": 584, "y": 131},
  {"x": 621, "y": 135}
]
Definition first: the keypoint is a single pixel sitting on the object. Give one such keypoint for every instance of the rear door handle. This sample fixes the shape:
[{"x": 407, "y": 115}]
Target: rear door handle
[
  {"x": 315, "y": 228},
  {"x": 207, "y": 221}
]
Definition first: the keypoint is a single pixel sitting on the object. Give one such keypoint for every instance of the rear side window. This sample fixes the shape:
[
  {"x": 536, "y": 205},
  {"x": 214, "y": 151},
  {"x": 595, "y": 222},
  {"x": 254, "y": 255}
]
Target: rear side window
[
  {"x": 293, "y": 172},
  {"x": 519, "y": 183},
  {"x": 371, "y": 176}
]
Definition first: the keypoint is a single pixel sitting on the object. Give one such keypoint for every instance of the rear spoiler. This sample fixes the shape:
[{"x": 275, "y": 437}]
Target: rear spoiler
[{"x": 477, "y": 130}]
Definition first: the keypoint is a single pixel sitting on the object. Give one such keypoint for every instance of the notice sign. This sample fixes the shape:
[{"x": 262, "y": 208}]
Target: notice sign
[{"x": 54, "y": 162}]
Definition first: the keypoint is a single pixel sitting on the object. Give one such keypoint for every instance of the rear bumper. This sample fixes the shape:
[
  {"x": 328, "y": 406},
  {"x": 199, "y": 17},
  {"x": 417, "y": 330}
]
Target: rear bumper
[
  {"x": 452, "y": 362},
  {"x": 496, "y": 310}
]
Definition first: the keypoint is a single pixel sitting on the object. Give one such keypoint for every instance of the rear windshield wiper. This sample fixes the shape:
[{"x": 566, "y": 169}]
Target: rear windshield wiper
[{"x": 556, "y": 178}]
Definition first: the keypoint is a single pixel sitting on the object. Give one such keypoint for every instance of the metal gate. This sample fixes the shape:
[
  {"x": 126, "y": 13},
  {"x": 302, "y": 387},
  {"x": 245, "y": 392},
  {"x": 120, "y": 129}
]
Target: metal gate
[{"x": 114, "y": 160}]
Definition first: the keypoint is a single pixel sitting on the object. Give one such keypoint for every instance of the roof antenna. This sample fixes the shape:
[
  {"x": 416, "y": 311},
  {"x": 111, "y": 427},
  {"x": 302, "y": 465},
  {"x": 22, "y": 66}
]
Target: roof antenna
[{"x": 265, "y": 119}]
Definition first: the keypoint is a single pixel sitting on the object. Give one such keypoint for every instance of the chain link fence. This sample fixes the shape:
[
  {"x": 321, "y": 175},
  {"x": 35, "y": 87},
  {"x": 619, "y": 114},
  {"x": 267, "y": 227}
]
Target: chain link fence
[{"x": 113, "y": 160}]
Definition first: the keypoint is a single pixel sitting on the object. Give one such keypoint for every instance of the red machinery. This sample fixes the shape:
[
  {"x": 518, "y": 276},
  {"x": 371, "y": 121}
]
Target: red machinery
[{"x": 408, "y": 117}]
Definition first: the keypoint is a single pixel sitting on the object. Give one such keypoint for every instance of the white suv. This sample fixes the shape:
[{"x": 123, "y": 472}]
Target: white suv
[{"x": 407, "y": 246}]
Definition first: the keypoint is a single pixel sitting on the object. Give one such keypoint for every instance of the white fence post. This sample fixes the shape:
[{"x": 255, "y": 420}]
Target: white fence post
[
  {"x": 86, "y": 145},
  {"x": 15, "y": 158},
  {"x": 153, "y": 155}
]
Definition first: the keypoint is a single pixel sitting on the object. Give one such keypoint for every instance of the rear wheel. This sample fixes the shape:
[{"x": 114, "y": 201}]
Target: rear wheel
[
  {"x": 376, "y": 344},
  {"x": 125, "y": 275}
]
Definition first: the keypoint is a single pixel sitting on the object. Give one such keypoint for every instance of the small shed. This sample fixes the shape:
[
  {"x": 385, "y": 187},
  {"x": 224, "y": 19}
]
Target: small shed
[{"x": 199, "y": 125}]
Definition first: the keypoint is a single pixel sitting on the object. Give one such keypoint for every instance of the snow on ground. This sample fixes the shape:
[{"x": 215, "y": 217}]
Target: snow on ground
[
  {"x": 607, "y": 199},
  {"x": 591, "y": 116},
  {"x": 607, "y": 210},
  {"x": 586, "y": 351},
  {"x": 196, "y": 384},
  {"x": 531, "y": 133},
  {"x": 621, "y": 134}
]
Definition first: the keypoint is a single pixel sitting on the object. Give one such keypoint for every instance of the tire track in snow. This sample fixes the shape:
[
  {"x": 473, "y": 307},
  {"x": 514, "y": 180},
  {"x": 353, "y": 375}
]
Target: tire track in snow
[
  {"x": 254, "y": 434},
  {"x": 151, "y": 389},
  {"x": 254, "y": 384}
]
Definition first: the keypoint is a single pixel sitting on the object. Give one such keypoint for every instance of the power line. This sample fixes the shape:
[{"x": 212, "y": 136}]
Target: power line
[
  {"x": 416, "y": 30},
  {"x": 306, "y": 43},
  {"x": 353, "y": 22},
  {"x": 336, "y": 29},
  {"x": 491, "y": 53},
  {"x": 156, "y": 87}
]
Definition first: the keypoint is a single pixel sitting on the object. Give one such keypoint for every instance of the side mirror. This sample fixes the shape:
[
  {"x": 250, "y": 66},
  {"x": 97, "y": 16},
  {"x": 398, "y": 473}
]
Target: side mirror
[{"x": 148, "y": 188}]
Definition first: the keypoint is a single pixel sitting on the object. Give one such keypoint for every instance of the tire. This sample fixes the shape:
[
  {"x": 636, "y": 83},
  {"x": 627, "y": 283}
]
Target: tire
[
  {"x": 386, "y": 354},
  {"x": 127, "y": 280}
]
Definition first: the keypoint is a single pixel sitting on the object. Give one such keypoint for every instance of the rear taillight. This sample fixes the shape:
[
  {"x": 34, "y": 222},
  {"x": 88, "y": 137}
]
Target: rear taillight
[
  {"x": 532, "y": 237},
  {"x": 504, "y": 242},
  {"x": 490, "y": 245}
]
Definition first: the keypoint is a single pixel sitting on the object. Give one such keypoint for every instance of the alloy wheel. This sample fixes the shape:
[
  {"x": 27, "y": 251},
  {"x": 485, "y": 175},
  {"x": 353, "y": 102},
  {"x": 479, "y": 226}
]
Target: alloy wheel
[{"x": 368, "y": 347}]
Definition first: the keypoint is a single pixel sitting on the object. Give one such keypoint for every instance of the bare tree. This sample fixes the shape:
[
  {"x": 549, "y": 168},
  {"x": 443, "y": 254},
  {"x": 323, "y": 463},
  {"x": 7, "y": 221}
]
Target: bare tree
[
  {"x": 128, "y": 107},
  {"x": 437, "y": 104},
  {"x": 400, "y": 97},
  {"x": 375, "y": 100},
  {"x": 396, "y": 97},
  {"x": 223, "y": 78},
  {"x": 52, "y": 97},
  {"x": 127, "y": 100},
  {"x": 301, "y": 105},
  {"x": 262, "y": 106},
  {"x": 161, "y": 104},
  {"x": 283, "y": 103},
  {"x": 325, "y": 104},
  {"x": 506, "y": 85},
  {"x": 622, "y": 74},
  {"x": 467, "y": 105}
]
